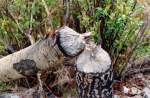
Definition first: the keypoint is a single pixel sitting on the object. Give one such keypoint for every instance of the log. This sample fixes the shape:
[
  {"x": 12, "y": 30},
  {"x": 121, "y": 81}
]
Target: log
[
  {"x": 94, "y": 75},
  {"x": 46, "y": 54}
]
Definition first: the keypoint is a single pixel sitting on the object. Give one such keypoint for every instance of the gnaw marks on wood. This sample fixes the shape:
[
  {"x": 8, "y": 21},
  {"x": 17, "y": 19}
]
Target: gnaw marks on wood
[
  {"x": 70, "y": 42},
  {"x": 44, "y": 54},
  {"x": 93, "y": 60},
  {"x": 94, "y": 73}
]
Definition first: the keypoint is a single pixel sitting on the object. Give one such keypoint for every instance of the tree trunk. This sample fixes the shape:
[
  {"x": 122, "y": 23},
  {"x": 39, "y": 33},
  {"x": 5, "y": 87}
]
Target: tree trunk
[
  {"x": 94, "y": 73},
  {"x": 45, "y": 54}
]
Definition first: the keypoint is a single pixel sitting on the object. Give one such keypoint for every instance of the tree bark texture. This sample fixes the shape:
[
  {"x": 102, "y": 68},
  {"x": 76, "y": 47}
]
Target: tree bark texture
[
  {"x": 45, "y": 54},
  {"x": 94, "y": 75}
]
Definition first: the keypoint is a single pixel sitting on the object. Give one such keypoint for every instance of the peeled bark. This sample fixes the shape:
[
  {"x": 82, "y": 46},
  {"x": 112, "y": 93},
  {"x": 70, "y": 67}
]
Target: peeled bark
[
  {"x": 94, "y": 73},
  {"x": 45, "y": 54}
]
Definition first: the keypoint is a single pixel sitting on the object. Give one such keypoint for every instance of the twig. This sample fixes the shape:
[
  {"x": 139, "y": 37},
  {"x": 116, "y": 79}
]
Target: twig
[
  {"x": 139, "y": 39},
  {"x": 31, "y": 38},
  {"x": 48, "y": 14},
  {"x": 40, "y": 91},
  {"x": 137, "y": 66},
  {"x": 136, "y": 71},
  {"x": 40, "y": 82},
  {"x": 45, "y": 6},
  {"x": 27, "y": 82},
  {"x": 67, "y": 13},
  {"x": 13, "y": 18},
  {"x": 18, "y": 25}
]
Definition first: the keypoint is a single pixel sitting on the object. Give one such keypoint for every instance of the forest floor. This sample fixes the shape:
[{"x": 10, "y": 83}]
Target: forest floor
[{"x": 136, "y": 86}]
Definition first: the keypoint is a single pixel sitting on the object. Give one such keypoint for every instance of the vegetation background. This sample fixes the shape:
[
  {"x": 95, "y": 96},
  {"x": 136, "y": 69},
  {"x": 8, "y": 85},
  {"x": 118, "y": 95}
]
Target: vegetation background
[{"x": 122, "y": 27}]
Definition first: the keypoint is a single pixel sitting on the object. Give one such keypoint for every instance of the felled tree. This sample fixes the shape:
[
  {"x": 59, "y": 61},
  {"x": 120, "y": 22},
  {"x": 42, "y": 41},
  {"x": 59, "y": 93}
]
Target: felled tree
[{"x": 47, "y": 53}]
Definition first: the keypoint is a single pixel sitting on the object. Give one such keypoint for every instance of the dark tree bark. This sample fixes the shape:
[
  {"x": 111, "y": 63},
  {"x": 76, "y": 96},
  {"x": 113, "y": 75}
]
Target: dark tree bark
[{"x": 94, "y": 73}]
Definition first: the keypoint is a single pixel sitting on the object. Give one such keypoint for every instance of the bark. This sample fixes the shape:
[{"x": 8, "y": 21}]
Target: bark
[
  {"x": 45, "y": 54},
  {"x": 94, "y": 73}
]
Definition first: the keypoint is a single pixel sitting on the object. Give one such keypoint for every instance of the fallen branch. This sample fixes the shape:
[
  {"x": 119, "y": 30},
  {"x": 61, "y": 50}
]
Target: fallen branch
[{"x": 140, "y": 65}]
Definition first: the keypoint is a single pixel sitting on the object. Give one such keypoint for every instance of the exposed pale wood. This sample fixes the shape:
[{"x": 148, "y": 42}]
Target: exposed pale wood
[
  {"x": 71, "y": 42},
  {"x": 94, "y": 75},
  {"x": 45, "y": 54}
]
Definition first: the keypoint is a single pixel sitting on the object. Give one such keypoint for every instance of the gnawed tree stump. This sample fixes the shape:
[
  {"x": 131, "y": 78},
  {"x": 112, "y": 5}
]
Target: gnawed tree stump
[
  {"x": 45, "y": 54},
  {"x": 94, "y": 73}
]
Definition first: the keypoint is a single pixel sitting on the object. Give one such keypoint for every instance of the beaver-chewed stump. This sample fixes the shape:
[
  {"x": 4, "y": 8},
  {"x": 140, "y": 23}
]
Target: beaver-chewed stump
[{"x": 94, "y": 75}]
